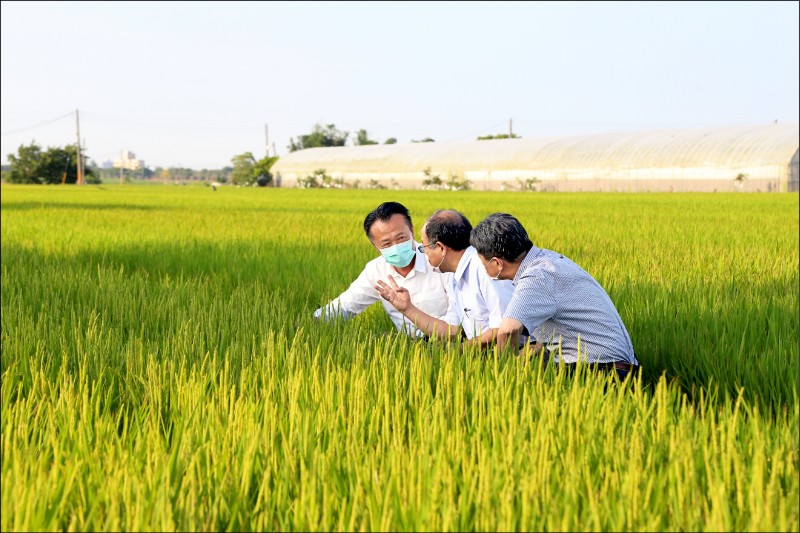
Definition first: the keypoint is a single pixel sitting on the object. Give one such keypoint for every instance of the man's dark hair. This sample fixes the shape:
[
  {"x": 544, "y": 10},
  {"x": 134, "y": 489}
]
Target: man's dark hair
[
  {"x": 384, "y": 212},
  {"x": 500, "y": 235},
  {"x": 448, "y": 227}
]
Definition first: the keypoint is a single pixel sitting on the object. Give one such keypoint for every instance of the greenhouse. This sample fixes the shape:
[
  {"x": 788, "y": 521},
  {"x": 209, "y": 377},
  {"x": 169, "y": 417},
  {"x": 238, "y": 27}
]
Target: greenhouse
[{"x": 761, "y": 158}]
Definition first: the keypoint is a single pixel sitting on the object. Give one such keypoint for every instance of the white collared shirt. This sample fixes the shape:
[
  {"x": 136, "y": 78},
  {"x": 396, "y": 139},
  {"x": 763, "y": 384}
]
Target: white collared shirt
[
  {"x": 477, "y": 302},
  {"x": 428, "y": 291}
]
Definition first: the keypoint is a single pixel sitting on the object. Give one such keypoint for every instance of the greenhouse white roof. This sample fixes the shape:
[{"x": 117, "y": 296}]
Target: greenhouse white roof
[{"x": 730, "y": 147}]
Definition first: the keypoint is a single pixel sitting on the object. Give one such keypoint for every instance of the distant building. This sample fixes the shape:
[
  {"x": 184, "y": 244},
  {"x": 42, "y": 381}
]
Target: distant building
[
  {"x": 107, "y": 164},
  {"x": 128, "y": 160}
]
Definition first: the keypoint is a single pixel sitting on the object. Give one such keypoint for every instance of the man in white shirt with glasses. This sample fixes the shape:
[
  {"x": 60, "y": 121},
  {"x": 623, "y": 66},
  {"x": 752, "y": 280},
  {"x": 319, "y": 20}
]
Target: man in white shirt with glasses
[
  {"x": 391, "y": 232},
  {"x": 476, "y": 303}
]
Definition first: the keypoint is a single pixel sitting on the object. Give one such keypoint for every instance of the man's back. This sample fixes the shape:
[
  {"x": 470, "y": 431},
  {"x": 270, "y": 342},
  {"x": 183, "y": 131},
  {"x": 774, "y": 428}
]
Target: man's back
[{"x": 567, "y": 309}]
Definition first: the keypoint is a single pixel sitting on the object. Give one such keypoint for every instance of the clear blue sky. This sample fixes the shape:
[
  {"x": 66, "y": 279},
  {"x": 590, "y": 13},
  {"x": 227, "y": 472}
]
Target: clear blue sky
[{"x": 193, "y": 83}]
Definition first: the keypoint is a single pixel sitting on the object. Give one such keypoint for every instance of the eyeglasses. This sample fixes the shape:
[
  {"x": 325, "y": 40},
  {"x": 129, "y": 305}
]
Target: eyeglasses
[{"x": 421, "y": 247}]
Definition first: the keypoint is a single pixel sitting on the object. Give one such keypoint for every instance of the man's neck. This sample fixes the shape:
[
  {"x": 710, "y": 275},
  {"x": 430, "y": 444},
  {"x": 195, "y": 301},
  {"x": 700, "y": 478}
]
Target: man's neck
[
  {"x": 514, "y": 267},
  {"x": 406, "y": 270},
  {"x": 455, "y": 261}
]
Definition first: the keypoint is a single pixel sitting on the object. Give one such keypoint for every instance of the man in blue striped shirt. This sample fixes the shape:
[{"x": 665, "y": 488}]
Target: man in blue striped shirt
[{"x": 560, "y": 304}]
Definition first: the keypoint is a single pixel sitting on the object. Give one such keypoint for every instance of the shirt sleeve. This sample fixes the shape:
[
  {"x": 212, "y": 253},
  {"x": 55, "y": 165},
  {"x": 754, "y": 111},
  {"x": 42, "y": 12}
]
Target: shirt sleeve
[
  {"x": 533, "y": 300},
  {"x": 496, "y": 296},
  {"x": 360, "y": 295}
]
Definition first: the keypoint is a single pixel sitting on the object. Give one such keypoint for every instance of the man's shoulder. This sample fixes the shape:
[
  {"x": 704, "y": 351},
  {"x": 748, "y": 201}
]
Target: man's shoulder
[
  {"x": 536, "y": 273},
  {"x": 380, "y": 260},
  {"x": 543, "y": 261},
  {"x": 376, "y": 267}
]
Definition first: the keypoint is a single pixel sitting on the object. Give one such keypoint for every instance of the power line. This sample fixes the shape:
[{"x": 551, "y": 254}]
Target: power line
[{"x": 20, "y": 130}]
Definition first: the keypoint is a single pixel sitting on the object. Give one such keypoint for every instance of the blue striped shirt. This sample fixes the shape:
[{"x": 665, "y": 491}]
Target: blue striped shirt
[{"x": 566, "y": 309}]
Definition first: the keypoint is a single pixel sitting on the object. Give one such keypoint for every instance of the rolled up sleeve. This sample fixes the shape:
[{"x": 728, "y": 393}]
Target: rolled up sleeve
[{"x": 360, "y": 295}]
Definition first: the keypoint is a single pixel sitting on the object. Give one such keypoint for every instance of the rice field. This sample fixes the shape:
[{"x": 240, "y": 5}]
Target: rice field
[{"x": 161, "y": 370}]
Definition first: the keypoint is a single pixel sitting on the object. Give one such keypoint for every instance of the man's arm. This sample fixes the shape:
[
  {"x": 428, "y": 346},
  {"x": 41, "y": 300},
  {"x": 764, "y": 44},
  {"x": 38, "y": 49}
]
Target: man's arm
[
  {"x": 360, "y": 295},
  {"x": 508, "y": 335},
  {"x": 400, "y": 299},
  {"x": 333, "y": 309},
  {"x": 531, "y": 301},
  {"x": 486, "y": 339},
  {"x": 489, "y": 337}
]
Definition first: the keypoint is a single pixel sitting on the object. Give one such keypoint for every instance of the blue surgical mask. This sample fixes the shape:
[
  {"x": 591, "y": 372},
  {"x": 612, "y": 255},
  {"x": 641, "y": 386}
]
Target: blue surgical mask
[{"x": 399, "y": 255}]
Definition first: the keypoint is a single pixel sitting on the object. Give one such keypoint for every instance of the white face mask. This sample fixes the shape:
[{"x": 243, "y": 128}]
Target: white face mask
[
  {"x": 399, "y": 255},
  {"x": 438, "y": 268},
  {"x": 497, "y": 277}
]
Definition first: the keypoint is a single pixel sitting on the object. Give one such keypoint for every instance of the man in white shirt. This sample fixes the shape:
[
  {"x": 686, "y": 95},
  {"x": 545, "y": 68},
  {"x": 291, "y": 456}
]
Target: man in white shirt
[
  {"x": 391, "y": 232},
  {"x": 476, "y": 303}
]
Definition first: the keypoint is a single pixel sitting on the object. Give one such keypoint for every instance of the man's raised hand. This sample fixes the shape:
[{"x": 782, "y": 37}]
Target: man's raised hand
[{"x": 394, "y": 294}]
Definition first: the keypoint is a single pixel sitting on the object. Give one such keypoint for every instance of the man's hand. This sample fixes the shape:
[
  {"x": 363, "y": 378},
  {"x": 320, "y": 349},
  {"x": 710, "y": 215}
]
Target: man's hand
[
  {"x": 508, "y": 335},
  {"x": 394, "y": 294},
  {"x": 532, "y": 349}
]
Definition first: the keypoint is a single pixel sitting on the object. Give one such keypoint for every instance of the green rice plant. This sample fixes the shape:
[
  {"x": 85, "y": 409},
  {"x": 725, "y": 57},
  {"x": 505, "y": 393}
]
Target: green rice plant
[{"x": 161, "y": 370}]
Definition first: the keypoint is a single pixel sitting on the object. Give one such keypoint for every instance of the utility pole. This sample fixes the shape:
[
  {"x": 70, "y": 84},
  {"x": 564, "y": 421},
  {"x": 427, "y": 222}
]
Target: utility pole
[
  {"x": 510, "y": 132},
  {"x": 79, "y": 180},
  {"x": 274, "y": 152},
  {"x": 266, "y": 132}
]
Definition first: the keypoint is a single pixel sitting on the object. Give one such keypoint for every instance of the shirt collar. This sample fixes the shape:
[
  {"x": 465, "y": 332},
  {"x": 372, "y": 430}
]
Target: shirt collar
[
  {"x": 421, "y": 264},
  {"x": 526, "y": 261},
  {"x": 469, "y": 254}
]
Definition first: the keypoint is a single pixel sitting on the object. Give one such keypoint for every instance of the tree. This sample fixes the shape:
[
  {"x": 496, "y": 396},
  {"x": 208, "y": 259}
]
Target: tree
[
  {"x": 454, "y": 184},
  {"x": 25, "y": 166},
  {"x": 316, "y": 179},
  {"x": 390, "y": 140},
  {"x": 528, "y": 185},
  {"x": 56, "y": 165},
  {"x": 327, "y": 136},
  {"x": 362, "y": 139},
  {"x": 425, "y": 140},
  {"x": 261, "y": 170},
  {"x": 431, "y": 181},
  {"x": 248, "y": 170},
  {"x": 500, "y": 136}
]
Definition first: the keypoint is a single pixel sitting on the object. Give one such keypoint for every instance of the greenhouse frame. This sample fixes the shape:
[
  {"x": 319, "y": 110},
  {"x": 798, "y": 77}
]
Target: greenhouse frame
[{"x": 761, "y": 158}]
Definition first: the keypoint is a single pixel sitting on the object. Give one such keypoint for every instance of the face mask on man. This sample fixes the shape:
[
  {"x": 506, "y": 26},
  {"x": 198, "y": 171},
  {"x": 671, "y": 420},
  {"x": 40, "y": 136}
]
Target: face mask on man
[
  {"x": 399, "y": 255},
  {"x": 497, "y": 277},
  {"x": 438, "y": 268}
]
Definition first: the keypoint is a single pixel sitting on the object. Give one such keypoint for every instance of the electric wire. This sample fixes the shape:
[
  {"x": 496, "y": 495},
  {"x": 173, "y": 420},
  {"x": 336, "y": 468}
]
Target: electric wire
[{"x": 34, "y": 126}]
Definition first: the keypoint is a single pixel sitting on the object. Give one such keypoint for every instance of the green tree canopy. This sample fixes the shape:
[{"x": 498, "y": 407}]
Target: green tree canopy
[
  {"x": 363, "y": 139},
  {"x": 247, "y": 170},
  {"x": 499, "y": 136},
  {"x": 390, "y": 140},
  {"x": 327, "y": 136},
  {"x": 56, "y": 165},
  {"x": 425, "y": 140}
]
